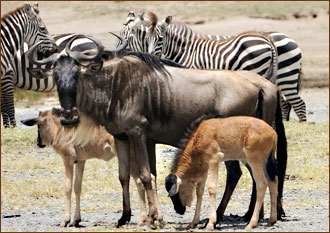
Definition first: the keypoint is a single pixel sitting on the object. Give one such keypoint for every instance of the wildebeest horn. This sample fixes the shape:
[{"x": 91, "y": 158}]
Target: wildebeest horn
[
  {"x": 49, "y": 60},
  {"x": 85, "y": 55},
  {"x": 124, "y": 43}
]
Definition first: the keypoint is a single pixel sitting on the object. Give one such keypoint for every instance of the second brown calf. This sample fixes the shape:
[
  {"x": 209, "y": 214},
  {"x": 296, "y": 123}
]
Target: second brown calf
[{"x": 247, "y": 139}]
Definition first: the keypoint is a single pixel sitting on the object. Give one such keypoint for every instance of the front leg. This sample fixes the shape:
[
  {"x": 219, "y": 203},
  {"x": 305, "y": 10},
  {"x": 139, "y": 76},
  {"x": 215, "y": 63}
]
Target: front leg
[
  {"x": 212, "y": 187},
  {"x": 123, "y": 150},
  {"x": 199, "y": 193},
  {"x": 77, "y": 190},
  {"x": 137, "y": 138},
  {"x": 68, "y": 165}
]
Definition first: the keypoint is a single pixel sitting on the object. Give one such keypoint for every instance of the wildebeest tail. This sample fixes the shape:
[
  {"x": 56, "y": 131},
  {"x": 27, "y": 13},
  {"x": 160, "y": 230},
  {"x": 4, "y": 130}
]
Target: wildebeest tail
[
  {"x": 259, "y": 113},
  {"x": 282, "y": 155}
]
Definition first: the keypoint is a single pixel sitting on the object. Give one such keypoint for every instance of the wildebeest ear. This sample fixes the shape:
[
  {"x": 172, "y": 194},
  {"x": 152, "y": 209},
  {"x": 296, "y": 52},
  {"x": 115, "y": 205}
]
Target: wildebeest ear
[
  {"x": 95, "y": 67},
  {"x": 39, "y": 73},
  {"x": 29, "y": 122}
]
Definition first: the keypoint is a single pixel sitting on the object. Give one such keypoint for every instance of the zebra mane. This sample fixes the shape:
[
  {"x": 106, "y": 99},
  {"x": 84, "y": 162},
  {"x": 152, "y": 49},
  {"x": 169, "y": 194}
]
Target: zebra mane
[
  {"x": 188, "y": 134},
  {"x": 150, "y": 60},
  {"x": 11, "y": 12},
  {"x": 187, "y": 32}
]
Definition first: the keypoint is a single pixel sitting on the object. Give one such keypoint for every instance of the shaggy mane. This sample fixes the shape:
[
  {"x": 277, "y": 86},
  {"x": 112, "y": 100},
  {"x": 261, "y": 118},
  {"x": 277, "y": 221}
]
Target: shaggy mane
[{"x": 188, "y": 134}]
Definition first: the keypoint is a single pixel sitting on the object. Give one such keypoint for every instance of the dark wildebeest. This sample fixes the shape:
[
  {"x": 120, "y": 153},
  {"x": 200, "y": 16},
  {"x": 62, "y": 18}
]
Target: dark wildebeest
[
  {"x": 141, "y": 102},
  {"x": 213, "y": 141}
]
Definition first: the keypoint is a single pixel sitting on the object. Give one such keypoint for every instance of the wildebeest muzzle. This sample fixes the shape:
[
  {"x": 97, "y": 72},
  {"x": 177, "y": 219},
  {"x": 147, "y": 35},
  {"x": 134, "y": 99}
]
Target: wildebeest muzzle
[{"x": 69, "y": 118}]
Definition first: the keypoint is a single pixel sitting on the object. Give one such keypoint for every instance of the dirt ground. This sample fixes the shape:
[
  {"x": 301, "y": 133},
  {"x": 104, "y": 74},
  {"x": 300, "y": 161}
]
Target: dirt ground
[{"x": 98, "y": 18}]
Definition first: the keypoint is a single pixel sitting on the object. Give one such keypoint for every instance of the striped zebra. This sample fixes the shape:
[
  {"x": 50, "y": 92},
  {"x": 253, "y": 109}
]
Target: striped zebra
[
  {"x": 19, "y": 26},
  {"x": 137, "y": 31},
  {"x": 25, "y": 79},
  {"x": 247, "y": 51}
]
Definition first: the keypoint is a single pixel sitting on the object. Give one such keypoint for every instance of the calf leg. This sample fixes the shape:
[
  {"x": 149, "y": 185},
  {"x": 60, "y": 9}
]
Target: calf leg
[
  {"x": 199, "y": 194},
  {"x": 212, "y": 187},
  {"x": 68, "y": 190},
  {"x": 122, "y": 147},
  {"x": 233, "y": 175},
  {"x": 77, "y": 190},
  {"x": 273, "y": 200},
  {"x": 258, "y": 174}
]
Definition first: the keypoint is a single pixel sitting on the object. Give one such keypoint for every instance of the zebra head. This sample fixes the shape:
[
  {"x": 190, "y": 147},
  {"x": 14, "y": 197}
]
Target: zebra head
[
  {"x": 155, "y": 36},
  {"x": 36, "y": 31}
]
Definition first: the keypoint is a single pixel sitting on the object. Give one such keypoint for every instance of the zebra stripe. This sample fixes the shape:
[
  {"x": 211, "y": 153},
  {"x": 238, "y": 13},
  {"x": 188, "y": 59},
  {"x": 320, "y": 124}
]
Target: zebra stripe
[
  {"x": 179, "y": 43},
  {"x": 22, "y": 24}
]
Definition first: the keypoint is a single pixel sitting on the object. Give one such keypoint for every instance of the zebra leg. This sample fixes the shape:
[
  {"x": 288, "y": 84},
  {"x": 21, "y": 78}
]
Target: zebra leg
[
  {"x": 286, "y": 108},
  {"x": 4, "y": 114},
  {"x": 298, "y": 105},
  {"x": 7, "y": 101}
]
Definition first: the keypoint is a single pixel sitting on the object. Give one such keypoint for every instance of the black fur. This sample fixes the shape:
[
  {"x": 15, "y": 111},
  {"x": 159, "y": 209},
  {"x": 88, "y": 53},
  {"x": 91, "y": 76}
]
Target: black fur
[
  {"x": 271, "y": 168},
  {"x": 170, "y": 181}
]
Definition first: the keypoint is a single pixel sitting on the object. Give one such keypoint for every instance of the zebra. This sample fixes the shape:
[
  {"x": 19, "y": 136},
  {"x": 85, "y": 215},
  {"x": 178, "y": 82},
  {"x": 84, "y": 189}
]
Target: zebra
[
  {"x": 19, "y": 26},
  {"x": 248, "y": 50},
  {"x": 25, "y": 78},
  {"x": 137, "y": 31}
]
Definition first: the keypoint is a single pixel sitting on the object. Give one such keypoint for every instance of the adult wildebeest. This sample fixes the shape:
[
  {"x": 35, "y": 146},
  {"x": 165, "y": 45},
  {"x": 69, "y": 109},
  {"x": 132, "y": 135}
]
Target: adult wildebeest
[
  {"x": 141, "y": 102},
  {"x": 213, "y": 141}
]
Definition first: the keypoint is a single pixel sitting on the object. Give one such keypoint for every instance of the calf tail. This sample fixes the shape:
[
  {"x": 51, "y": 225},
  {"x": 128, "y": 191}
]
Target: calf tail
[
  {"x": 282, "y": 155},
  {"x": 271, "y": 165}
]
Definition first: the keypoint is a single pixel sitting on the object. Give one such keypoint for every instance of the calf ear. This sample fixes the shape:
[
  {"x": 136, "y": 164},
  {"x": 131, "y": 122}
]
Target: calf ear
[
  {"x": 38, "y": 73},
  {"x": 171, "y": 185},
  {"x": 172, "y": 191},
  {"x": 29, "y": 122}
]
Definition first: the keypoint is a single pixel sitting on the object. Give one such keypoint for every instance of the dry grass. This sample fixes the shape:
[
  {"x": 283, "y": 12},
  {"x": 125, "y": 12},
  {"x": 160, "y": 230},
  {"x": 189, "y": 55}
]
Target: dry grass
[{"x": 32, "y": 177}]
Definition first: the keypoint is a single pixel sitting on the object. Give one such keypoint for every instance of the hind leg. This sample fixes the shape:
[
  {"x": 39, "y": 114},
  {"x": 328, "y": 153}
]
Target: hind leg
[
  {"x": 298, "y": 105},
  {"x": 286, "y": 108},
  {"x": 273, "y": 199},
  {"x": 258, "y": 174}
]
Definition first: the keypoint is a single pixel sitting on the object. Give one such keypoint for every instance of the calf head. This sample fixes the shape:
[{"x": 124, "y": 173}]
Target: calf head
[
  {"x": 172, "y": 184},
  {"x": 48, "y": 124}
]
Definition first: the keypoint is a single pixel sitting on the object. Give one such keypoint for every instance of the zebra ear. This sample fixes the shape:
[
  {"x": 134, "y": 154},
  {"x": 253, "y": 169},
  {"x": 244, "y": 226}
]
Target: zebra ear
[
  {"x": 29, "y": 11},
  {"x": 35, "y": 7},
  {"x": 165, "y": 22},
  {"x": 39, "y": 73},
  {"x": 168, "y": 19}
]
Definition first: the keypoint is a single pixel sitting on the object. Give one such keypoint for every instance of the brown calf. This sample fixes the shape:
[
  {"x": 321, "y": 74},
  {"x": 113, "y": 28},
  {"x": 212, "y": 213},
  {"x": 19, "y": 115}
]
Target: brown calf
[
  {"x": 76, "y": 145},
  {"x": 247, "y": 139}
]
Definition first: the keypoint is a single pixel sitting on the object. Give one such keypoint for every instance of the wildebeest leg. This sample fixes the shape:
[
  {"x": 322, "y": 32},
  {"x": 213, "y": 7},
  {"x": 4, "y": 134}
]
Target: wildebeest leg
[
  {"x": 233, "y": 175},
  {"x": 80, "y": 166},
  {"x": 68, "y": 190},
  {"x": 152, "y": 163},
  {"x": 199, "y": 193},
  {"x": 140, "y": 188},
  {"x": 138, "y": 139},
  {"x": 123, "y": 154}
]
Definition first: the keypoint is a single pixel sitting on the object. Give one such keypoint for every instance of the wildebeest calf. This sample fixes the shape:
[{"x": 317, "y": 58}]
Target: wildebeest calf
[
  {"x": 247, "y": 139},
  {"x": 76, "y": 145}
]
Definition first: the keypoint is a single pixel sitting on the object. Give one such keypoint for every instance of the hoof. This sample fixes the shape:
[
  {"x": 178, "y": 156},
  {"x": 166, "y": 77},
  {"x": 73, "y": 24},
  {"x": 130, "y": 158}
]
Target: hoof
[
  {"x": 64, "y": 223},
  {"x": 191, "y": 226},
  {"x": 269, "y": 224},
  {"x": 123, "y": 220},
  {"x": 75, "y": 223}
]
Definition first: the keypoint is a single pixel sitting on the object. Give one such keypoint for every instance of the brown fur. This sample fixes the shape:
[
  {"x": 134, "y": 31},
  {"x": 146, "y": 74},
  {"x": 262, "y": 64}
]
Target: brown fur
[
  {"x": 248, "y": 139},
  {"x": 76, "y": 145}
]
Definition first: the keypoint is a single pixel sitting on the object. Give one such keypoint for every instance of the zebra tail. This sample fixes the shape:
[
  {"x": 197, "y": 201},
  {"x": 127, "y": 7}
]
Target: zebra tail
[{"x": 273, "y": 74}]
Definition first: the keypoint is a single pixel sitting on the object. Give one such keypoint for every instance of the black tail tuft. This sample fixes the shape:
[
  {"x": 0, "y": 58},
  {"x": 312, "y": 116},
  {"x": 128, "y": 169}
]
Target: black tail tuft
[{"x": 271, "y": 167}]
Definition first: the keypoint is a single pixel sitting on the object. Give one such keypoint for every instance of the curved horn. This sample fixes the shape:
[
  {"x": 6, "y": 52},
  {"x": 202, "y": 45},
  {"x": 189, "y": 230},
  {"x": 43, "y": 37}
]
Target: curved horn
[
  {"x": 123, "y": 41},
  {"x": 84, "y": 56},
  {"x": 49, "y": 60}
]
